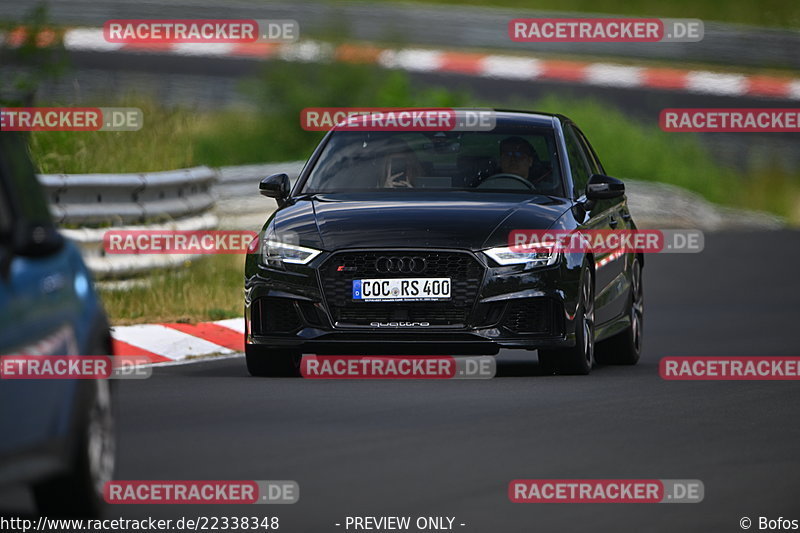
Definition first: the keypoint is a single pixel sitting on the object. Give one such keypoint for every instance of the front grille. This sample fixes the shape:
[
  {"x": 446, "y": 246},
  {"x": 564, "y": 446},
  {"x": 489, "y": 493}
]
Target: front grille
[
  {"x": 310, "y": 314},
  {"x": 530, "y": 315},
  {"x": 339, "y": 271}
]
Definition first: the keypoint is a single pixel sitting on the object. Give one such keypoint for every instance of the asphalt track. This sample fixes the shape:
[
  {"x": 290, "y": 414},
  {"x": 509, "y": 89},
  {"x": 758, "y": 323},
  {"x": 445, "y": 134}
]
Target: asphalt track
[{"x": 449, "y": 448}]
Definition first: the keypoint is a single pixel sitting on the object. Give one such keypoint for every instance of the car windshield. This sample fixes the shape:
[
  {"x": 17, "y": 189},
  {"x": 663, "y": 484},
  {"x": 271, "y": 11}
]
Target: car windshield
[{"x": 517, "y": 160}]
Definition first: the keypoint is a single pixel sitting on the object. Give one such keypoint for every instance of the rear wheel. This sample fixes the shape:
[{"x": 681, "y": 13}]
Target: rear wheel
[
  {"x": 272, "y": 362},
  {"x": 625, "y": 347},
  {"x": 578, "y": 359}
]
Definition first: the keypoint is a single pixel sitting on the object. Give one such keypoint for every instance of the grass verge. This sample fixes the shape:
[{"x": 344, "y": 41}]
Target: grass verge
[{"x": 207, "y": 289}]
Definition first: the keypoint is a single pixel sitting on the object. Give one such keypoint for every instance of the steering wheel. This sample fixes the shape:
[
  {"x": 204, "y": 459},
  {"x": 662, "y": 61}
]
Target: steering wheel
[{"x": 507, "y": 176}]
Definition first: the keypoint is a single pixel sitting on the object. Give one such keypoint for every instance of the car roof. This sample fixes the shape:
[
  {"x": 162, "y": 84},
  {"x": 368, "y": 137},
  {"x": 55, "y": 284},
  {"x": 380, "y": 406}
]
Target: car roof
[{"x": 538, "y": 117}]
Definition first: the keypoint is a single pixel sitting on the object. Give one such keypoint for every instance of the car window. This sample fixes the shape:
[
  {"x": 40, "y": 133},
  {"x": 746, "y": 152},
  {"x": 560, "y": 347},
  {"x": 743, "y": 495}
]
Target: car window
[
  {"x": 387, "y": 161},
  {"x": 594, "y": 162},
  {"x": 579, "y": 167}
]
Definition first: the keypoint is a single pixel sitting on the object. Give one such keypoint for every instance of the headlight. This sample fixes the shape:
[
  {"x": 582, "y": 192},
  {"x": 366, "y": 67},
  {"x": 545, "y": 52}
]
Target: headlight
[
  {"x": 532, "y": 255},
  {"x": 277, "y": 253}
]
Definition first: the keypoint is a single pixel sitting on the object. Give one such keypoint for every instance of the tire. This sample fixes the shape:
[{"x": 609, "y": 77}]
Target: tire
[
  {"x": 272, "y": 362},
  {"x": 79, "y": 492},
  {"x": 579, "y": 359},
  {"x": 625, "y": 347}
]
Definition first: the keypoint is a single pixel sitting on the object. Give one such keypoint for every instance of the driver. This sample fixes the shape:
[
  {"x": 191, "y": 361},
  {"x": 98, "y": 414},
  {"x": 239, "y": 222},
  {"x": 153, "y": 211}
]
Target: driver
[{"x": 517, "y": 156}]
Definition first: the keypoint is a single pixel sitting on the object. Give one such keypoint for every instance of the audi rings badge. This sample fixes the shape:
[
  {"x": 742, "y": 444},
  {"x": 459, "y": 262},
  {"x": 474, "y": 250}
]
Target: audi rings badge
[{"x": 400, "y": 265}]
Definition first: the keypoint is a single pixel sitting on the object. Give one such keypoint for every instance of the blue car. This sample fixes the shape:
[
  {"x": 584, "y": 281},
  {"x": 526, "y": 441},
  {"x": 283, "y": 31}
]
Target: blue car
[{"x": 56, "y": 435}]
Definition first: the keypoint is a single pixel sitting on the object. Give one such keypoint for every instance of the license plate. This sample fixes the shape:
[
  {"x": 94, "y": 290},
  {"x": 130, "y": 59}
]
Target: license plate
[{"x": 404, "y": 289}]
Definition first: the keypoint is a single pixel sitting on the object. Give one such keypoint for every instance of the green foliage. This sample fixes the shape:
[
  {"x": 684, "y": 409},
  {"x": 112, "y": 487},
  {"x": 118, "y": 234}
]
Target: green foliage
[
  {"x": 166, "y": 142},
  {"x": 272, "y": 131}
]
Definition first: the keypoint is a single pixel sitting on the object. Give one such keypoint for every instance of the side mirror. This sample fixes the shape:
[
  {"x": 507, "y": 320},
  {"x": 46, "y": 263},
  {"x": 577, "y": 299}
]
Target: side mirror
[
  {"x": 602, "y": 187},
  {"x": 276, "y": 186},
  {"x": 36, "y": 240}
]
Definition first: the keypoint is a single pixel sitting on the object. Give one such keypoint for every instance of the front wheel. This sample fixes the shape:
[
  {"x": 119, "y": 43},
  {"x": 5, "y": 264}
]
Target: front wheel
[
  {"x": 272, "y": 362},
  {"x": 625, "y": 347},
  {"x": 579, "y": 359}
]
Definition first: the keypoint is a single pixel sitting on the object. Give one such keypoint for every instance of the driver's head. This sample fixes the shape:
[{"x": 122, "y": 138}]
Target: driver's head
[{"x": 516, "y": 156}]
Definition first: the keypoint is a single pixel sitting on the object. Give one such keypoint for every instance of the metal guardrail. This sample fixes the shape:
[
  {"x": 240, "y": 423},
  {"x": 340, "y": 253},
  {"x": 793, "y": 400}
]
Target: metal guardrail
[
  {"x": 104, "y": 266},
  {"x": 92, "y": 199},
  {"x": 86, "y": 205}
]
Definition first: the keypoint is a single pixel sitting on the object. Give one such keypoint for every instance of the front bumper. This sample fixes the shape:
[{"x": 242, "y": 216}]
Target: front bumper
[{"x": 304, "y": 308}]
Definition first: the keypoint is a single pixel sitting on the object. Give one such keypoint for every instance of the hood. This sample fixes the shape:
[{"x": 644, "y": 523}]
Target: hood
[{"x": 462, "y": 220}]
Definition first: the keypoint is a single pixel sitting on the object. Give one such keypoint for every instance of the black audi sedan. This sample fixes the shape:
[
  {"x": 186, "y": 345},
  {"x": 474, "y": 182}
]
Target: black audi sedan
[{"x": 397, "y": 243}]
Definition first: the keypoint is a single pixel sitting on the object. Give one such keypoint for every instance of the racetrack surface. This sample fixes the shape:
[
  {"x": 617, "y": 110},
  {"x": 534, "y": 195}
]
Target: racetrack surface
[{"x": 449, "y": 448}]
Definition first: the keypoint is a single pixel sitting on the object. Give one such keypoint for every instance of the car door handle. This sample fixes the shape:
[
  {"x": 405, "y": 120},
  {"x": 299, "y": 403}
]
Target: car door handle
[{"x": 613, "y": 222}]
